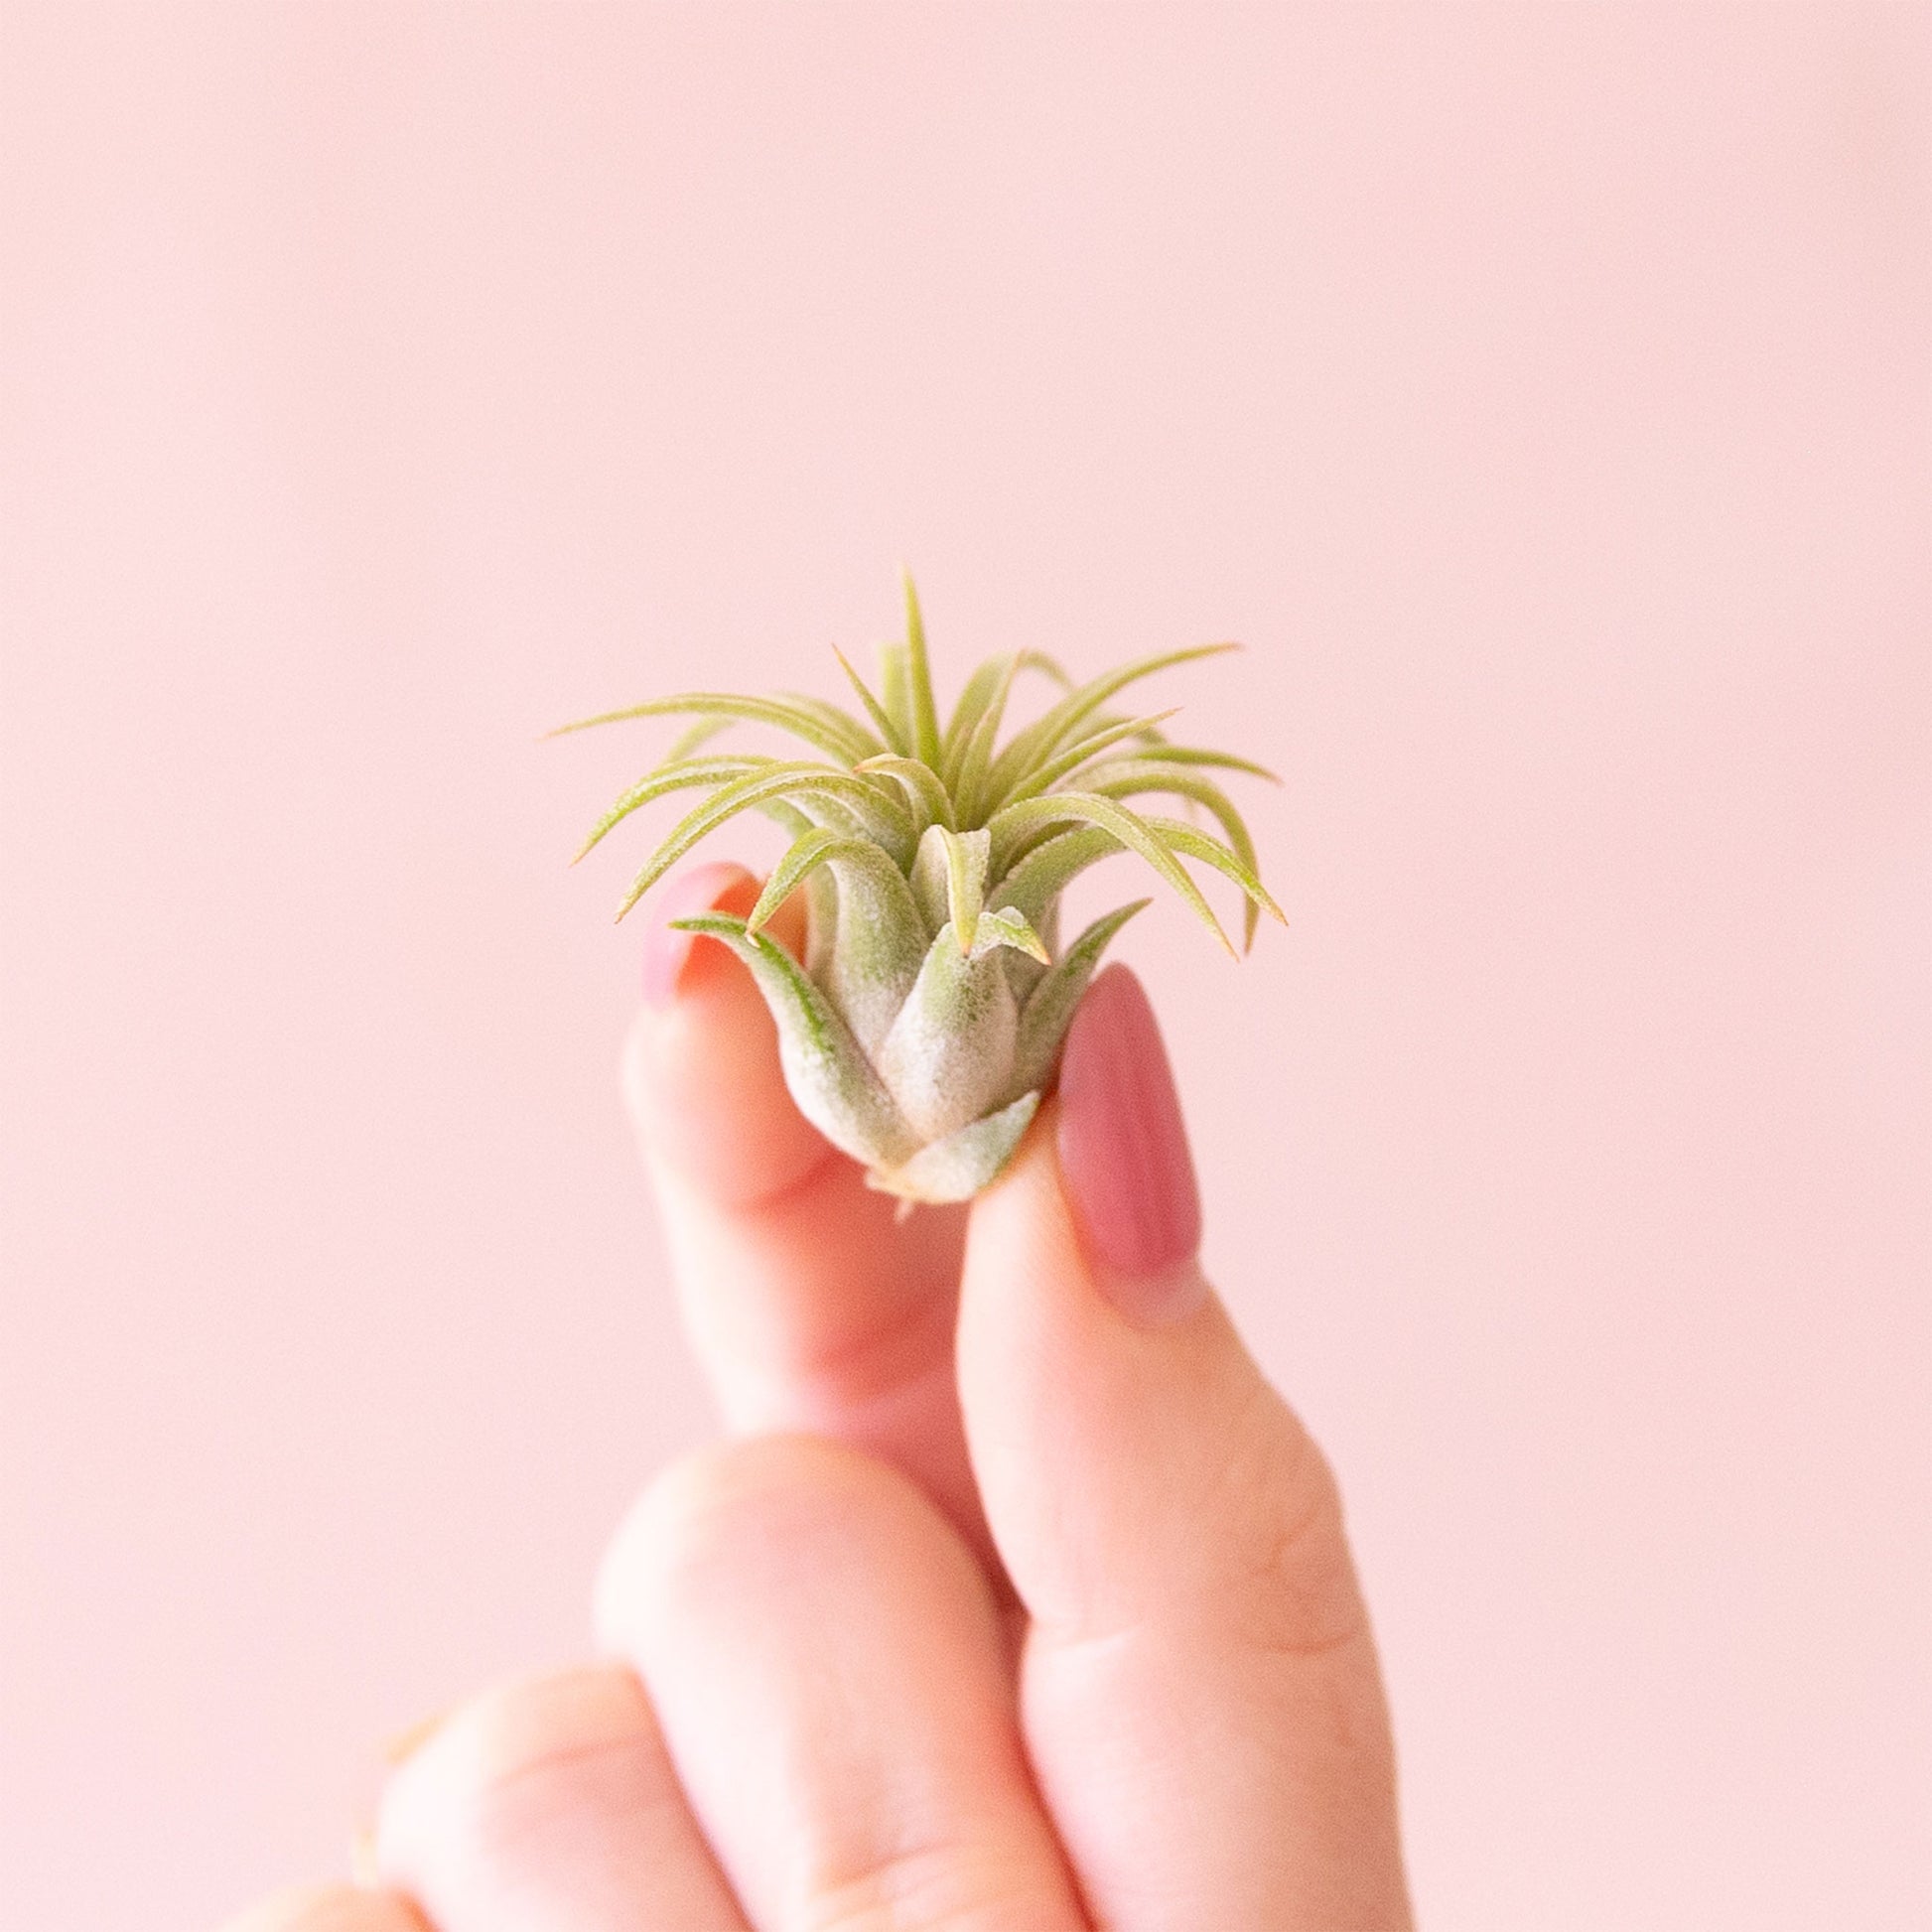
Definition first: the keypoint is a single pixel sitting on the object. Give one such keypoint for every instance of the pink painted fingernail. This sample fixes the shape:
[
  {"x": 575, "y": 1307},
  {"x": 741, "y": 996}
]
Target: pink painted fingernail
[
  {"x": 668, "y": 953},
  {"x": 1123, "y": 1149}
]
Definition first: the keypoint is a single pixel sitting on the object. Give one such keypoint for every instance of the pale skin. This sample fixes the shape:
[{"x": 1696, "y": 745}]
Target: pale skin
[{"x": 1015, "y": 1599}]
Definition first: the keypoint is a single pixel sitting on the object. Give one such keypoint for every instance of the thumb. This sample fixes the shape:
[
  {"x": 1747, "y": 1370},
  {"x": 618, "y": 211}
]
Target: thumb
[
  {"x": 1135, "y": 1461},
  {"x": 1199, "y": 1690}
]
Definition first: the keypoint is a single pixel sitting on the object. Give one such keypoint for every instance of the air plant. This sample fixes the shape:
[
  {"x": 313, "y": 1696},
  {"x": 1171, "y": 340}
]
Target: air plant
[{"x": 924, "y": 1024}]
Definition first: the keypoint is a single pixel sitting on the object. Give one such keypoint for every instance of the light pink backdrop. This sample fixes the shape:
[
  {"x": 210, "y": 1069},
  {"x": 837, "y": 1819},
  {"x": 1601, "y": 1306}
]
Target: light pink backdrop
[{"x": 1541, "y": 393}]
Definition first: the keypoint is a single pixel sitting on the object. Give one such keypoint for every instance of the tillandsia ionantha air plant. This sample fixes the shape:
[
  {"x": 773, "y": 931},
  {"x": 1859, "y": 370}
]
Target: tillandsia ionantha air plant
[{"x": 924, "y": 1022}]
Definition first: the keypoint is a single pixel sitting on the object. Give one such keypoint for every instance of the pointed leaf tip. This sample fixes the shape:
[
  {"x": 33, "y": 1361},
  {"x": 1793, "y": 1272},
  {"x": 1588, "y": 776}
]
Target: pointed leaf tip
[
  {"x": 1009, "y": 927},
  {"x": 926, "y": 715},
  {"x": 879, "y": 716},
  {"x": 967, "y": 854}
]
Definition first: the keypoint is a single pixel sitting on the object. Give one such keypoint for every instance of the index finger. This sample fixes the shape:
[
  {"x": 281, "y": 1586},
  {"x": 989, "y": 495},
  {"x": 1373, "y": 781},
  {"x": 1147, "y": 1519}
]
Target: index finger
[{"x": 809, "y": 1304}]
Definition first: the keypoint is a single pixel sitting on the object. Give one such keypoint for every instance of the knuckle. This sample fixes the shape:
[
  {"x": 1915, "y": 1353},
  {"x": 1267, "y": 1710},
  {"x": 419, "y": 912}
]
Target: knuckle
[
  {"x": 1294, "y": 1589},
  {"x": 730, "y": 1514},
  {"x": 516, "y": 1766},
  {"x": 929, "y": 1887}
]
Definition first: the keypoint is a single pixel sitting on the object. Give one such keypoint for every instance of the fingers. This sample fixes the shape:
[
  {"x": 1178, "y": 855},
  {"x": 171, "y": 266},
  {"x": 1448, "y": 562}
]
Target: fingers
[
  {"x": 549, "y": 1805},
  {"x": 809, "y": 1304},
  {"x": 1199, "y": 1650},
  {"x": 329, "y": 1908},
  {"x": 827, "y": 1663}
]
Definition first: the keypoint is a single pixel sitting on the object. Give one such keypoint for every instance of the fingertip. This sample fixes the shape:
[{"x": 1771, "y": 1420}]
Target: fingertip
[
  {"x": 751, "y": 1507},
  {"x": 494, "y": 1738},
  {"x": 673, "y": 959},
  {"x": 549, "y": 1800},
  {"x": 1124, "y": 1156},
  {"x": 1129, "y": 1456},
  {"x": 1033, "y": 1232},
  {"x": 700, "y": 1070},
  {"x": 807, "y": 1304}
]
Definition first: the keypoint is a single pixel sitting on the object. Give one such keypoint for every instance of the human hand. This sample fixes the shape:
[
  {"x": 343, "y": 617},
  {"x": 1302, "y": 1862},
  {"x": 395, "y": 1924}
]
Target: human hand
[{"x": 1016, "y": 1600}]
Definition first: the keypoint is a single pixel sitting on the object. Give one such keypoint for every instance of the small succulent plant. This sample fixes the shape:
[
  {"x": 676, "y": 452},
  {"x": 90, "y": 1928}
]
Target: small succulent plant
[{"x": 924, "y": 1022}]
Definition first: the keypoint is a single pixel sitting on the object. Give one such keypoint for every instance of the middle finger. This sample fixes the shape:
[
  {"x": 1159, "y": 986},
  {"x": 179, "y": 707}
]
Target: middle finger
[
  {"x": 809, "y": 1304},
  {"x": 827, "y": 1663},
  {"x": 550, "y": 1805}
]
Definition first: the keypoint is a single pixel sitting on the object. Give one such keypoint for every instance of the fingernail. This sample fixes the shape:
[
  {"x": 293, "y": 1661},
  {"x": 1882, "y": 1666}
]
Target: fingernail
[
  {"x": 1123, "y": 1149},
  {"x": 668, "y": 953}
]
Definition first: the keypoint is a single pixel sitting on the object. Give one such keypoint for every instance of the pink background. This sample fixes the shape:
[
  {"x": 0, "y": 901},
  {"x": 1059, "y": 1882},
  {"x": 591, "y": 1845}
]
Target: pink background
[{"x": 1541, "y": 393}]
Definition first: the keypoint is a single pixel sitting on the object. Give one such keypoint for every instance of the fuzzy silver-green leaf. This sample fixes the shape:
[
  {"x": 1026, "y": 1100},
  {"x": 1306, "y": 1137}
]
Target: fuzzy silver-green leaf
[
  {"x": 925, "y": 1019},
  {"x": 832, "y": 1081}
]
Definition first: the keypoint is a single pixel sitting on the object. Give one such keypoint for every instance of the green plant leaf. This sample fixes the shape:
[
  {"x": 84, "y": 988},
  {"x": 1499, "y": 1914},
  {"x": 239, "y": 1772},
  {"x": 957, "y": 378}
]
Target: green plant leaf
[
  {"x": 1081, "y": 807},
  {"x": 1039, "y": 741},
  {"x": 1038, "y": 661},
  {"x": 958, "y": 1167},
  {"x": 948, "y": 1055},
  {"x": 788, "y": 782},
  {"x": 1082, "y": 752},
  {"x": 982, "y": 687},
  {"x": 821, "y": 923},
  {"x": 1189, "y": 754},
  {"x": 680, "y": 776},
  {"x": 930, "y": 866},
  {"x": 1192, "y": 843},
  {"x": 895, "y": 691},
  {"x": 926, "y": 715},
  {"x": 847, "y": 743},
  {"x": 968, "y": 783},
  {"x": 832, "y": 1081},
  {"x": 1128, "y": 778},
  {"x": 967, "y": 712},
  {"x": 888, "y": 729},
  {"x": 1035, "y": 882},
  {"x": 1009, "y": 927},
  {"x": 803, "y": 857},
  {"x": 872, "y": 968},
  {"x": 1101, "y": 720},
  {"x": 878, "y": 813},
  {"x": 692, "y": 737},
  {"x": 836, "y": 718},
  {"x": 921, "y": 785},
  {"x": 966, "y": 857},
  {"x": 1044, "y": 1019}
]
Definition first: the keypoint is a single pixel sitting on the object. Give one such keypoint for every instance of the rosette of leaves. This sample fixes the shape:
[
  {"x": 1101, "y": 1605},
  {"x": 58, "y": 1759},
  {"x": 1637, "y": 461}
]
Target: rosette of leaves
[{"x": 924, "y": 1024}]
